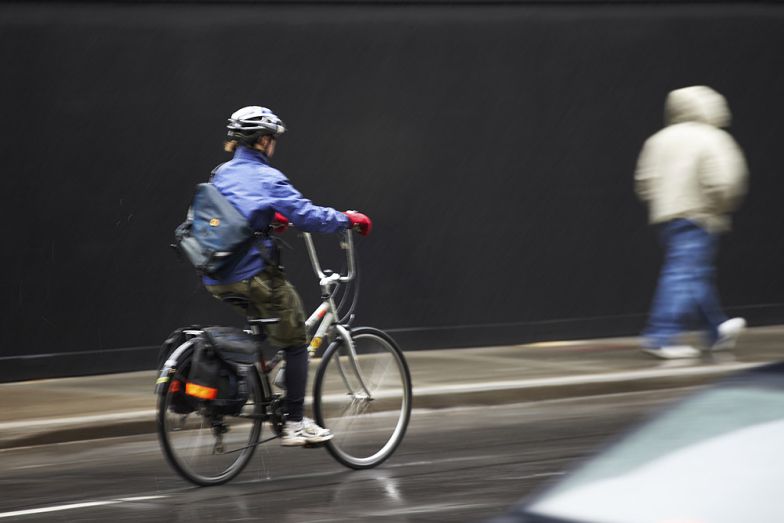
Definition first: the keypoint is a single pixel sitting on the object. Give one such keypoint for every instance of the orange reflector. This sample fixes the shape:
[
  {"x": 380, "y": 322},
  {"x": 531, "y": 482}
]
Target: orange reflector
[
  {"x": 176, "y": 386},
  {"x": 205, "y": 393}
]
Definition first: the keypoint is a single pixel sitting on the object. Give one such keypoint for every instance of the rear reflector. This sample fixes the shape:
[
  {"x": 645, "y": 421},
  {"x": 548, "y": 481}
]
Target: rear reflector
[{"x": 198, "y": 391}]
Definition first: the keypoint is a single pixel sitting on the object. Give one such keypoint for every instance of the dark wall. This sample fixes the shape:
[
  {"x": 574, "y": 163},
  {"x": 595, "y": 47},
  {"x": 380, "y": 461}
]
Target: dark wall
[{"x": 493, "y": 146}]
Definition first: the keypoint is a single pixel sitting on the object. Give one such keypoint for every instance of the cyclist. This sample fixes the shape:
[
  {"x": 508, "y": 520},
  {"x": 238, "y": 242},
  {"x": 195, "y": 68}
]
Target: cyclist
[{"x": 264, "y": 195}]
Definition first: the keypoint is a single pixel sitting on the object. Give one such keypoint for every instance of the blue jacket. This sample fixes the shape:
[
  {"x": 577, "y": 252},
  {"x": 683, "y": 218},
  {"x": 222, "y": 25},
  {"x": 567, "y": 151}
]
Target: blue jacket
[{"x": 258, "y": 190}]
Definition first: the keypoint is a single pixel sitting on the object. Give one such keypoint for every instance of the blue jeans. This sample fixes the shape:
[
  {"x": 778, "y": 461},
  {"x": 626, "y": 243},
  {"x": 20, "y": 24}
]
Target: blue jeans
[{"x": 686, "y": 294}]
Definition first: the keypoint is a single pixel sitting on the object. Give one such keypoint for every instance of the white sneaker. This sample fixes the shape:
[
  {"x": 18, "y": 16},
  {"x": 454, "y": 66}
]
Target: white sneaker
[
  {"x": 672, "y": 352},
  {"x": 305, "y": 432},
  {"x": 729, "y": 331}
]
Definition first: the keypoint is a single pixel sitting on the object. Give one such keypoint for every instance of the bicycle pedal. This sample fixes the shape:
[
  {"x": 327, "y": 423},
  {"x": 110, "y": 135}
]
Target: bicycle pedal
[{"x": 314, "y": 445}]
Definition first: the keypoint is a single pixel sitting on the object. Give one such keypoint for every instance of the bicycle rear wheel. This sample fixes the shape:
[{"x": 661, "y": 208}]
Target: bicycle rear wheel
[
  {"x": 367, "y": 428},
  {"x": 205, "y": 447}
]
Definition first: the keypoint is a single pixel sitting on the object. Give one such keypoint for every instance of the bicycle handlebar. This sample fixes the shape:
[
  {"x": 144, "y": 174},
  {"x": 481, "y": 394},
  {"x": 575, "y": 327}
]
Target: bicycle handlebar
[{"x": 347, "y": 244}]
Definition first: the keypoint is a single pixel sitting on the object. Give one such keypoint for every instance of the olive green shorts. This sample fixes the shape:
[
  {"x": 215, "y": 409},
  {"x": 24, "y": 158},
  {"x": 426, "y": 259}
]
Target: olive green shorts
[{"x": 271, "y": 296}]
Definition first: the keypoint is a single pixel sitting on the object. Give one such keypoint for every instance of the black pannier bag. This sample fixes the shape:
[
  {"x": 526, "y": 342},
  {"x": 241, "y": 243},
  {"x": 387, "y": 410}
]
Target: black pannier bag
[
  {"x": 217, "y": 375},
  {"x": 179, "y": 402},
  {"x": 176, "y": 338},
  {"x": 234, "y": 344}
]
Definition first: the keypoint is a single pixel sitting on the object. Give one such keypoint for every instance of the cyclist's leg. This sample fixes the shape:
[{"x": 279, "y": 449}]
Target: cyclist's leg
[
  {"x": 272, "y": 296},
  {"x": 275, "y": 296}
]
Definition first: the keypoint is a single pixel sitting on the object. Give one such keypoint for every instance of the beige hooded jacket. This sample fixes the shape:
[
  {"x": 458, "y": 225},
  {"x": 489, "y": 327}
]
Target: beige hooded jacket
[{"x": 692, "y": 169}]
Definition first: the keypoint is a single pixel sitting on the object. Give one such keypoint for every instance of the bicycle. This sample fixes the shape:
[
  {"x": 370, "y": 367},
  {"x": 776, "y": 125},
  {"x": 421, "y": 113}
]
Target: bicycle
[{"x": 361, "y": 391}]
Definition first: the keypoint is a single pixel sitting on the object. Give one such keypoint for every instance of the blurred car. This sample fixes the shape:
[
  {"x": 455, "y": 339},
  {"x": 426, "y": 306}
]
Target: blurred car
[{"x": 715, "y": 457}]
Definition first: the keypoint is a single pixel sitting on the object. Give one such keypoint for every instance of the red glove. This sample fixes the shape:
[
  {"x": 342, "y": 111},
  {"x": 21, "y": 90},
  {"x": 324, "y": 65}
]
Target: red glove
[
  {"x": 359, "y": 222},
  {"x": 279, "y": 223}
]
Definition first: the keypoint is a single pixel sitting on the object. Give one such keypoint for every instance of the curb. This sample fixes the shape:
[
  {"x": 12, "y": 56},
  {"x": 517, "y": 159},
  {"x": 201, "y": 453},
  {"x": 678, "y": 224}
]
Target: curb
[
  {"x": 64, "y": 430},
  {"x": 505, "y": 392}
]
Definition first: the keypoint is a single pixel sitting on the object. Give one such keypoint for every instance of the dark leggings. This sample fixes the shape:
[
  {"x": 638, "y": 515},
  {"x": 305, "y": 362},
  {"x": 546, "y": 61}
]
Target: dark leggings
[{"x": 296, "y": 380}]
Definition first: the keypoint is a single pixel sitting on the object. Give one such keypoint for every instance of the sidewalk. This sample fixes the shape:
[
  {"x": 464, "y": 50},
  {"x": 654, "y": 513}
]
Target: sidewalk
[{"x": 59, "y": 410}]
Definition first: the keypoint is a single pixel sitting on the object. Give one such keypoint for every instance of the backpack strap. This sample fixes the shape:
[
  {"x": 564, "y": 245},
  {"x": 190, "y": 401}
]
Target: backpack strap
[{"x": 268, "y": 257}]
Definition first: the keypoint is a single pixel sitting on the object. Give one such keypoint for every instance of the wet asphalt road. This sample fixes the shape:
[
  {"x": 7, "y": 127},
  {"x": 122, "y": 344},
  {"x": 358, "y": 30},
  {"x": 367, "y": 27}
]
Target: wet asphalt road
[{"x": 462, "y": 464}]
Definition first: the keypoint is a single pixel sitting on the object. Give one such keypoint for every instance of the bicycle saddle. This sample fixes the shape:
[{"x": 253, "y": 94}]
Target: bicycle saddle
[{"x": 238, "y": 300}]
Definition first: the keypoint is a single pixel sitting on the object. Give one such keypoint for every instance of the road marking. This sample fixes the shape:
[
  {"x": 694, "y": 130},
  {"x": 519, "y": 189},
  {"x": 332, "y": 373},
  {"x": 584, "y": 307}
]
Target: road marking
[
  {"x": 72, "y": 506},
  {"x": 425, "y": 509},
  {"x": 559, "y": 343},
  {"x": 56, "y": 508},
  {"x": 143, "y": 498},
  {"x": 36, "y": 466}
]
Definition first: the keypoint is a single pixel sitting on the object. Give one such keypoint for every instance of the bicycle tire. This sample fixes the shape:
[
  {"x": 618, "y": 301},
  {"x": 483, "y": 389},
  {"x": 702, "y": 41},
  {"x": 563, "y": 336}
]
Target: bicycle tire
[
  {"x": 212, "y": 471},
  {"x": 366, "y": 431}
]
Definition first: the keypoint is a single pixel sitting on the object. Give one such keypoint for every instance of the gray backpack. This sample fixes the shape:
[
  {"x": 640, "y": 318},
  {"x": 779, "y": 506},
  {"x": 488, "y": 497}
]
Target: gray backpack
[{"x": 215, "y": 235}]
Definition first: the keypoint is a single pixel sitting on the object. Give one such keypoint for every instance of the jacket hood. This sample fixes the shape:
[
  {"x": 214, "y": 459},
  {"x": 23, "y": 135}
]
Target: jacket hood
[{"x": 697, "y": 103}]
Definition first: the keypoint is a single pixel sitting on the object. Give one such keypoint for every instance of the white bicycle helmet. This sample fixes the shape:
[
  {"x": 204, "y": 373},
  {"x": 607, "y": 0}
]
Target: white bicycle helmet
[{"x": 250, "y": 123}]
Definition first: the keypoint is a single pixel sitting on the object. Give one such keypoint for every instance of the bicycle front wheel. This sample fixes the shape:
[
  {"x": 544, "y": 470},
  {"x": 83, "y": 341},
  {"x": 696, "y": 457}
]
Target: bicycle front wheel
[
  {"x": 204, "y": 446},
  {"x": 367, "y": 406}
]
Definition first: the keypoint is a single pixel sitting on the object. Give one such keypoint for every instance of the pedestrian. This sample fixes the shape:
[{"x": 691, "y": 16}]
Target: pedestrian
[
  {"x": 263, "y": 194},
  {"x": 692, "y": 175}
]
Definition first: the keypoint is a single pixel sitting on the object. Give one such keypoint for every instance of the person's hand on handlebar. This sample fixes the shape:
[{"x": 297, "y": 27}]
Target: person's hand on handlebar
[
  {"x": 359, "y": 222},
  {"x": 279, "y": 223}
]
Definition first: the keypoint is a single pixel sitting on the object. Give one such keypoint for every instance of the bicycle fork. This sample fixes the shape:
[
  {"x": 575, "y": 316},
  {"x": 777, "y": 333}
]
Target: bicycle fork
[{"x": 352, "y": 358}]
